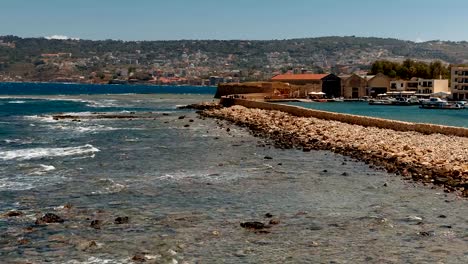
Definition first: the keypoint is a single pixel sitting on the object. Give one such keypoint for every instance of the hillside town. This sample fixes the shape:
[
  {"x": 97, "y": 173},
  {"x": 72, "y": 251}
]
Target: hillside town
[{"x": 205, "y": 62}]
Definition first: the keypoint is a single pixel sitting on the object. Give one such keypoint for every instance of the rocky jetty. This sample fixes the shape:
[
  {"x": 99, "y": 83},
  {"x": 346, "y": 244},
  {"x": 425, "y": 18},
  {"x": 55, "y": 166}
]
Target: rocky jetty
[
  {"x": 201, "y": 106},
  {"x": 435, "y": 158}
]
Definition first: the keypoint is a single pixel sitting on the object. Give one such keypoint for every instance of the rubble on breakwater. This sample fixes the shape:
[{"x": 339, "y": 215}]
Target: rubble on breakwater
[{"x": 429, "y": 158}]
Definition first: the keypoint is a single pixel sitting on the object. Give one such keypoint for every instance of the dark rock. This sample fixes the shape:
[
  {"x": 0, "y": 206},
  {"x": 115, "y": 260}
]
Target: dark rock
[
  {"x": 191, "y": 120},
  {"x": 268, "y": 158},
  {"x": 385, "y": 184},
  {"x": 165, "y": 114},
  {"x": 181, "y": 117},
  {"x": 49, "y": 218},
  {"x": 325, "y": 171},
  {"x": 442, "y": 216},
  {"x": 268, "y": 215},
  {"x": 96, "y": 224},
  {"x": 228, "y": 129},
  {"x": 186, "y": 125},
  {"x": 344, "y": 174},
  {"x": 13, "y": 213},
  {"x": 280, "y": 164},
  {"x": 426, "y": 234},
  {"x": 121, "y": 220},
  {"x": 253, "y": 225},
  {"x": 446, "y": 226}
]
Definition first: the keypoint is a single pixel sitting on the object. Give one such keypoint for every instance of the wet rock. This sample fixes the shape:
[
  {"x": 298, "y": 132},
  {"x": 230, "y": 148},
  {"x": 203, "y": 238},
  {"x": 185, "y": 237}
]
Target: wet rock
[
  {"x": 181, "y": 117},
  {"x": 13, "y": 213},
  {"x": 253, "y": 225},
  {"x": 165, "y": 114},
  {"x": 268, "y": 215},
  {"x": 267, "y": 158},
  {"x": 191, "y": 120},
  {"x": 426, "y": 234},
  {"x": 87, "y": 245},
  {"x": 274, "y": 222},
  {"x": 139, "y": 257},
  {"x": 96, "y": 224},
  {"x": 186, "y": 125},
  {"x": 49, "y": 218},
  {"x": 121, "y": 220}
]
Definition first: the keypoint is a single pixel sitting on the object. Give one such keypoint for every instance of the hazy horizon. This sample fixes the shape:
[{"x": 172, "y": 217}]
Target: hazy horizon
[{"x": 63, "y": 37}]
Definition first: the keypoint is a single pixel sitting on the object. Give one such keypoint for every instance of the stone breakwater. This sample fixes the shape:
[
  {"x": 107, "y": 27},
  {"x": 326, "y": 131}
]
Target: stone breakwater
[{"x": 434, "y": 158}]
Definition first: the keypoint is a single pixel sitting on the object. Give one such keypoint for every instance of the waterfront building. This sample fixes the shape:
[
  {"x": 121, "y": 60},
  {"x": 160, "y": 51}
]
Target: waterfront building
[
  {"x": 459, "y": 83},
  {"x": 353, "y": 86},
  {"x": 329, "y": 84},
  {"x": 432, "y": 86},
  {"x": 379, "y": 84},
  {"x": 404, "y": 85}
]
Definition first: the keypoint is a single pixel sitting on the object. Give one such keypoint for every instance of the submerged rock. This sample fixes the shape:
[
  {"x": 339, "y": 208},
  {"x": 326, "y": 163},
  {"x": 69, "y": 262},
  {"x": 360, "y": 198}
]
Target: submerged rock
[
  {"x": 13, "y": 213},
  {"x": 49, "y": 218},
  {"x": 253, "y": 225},
  {"x": 121, "y": 220},
  {"x": 96, "y": 224}
]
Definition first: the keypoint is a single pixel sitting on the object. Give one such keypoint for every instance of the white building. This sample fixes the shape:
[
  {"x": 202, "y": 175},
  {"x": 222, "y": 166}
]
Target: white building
[{"x": 459, "y": 85}]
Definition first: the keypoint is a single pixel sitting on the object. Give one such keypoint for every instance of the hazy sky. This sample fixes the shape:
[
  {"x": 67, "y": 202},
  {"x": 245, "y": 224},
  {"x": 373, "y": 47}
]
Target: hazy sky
[{"x": 417, "y": 20}]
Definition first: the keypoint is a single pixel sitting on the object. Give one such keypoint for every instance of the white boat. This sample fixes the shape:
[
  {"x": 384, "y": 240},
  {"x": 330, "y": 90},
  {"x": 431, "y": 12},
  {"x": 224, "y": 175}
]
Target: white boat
[{"x": 437, "y": 103}]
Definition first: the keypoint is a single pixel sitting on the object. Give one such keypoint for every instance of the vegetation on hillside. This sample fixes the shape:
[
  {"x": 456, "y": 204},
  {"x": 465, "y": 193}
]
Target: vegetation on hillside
[{"x": 410, "y": 68}]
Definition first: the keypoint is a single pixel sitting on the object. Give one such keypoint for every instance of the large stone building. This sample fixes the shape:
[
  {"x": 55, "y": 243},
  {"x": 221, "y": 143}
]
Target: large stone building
[
  {"x": 379, "y": 84},
  {"x": 459, "y": 84},
  {"x": 353, "y": 86},
  {"x": 329, "y": 84}
]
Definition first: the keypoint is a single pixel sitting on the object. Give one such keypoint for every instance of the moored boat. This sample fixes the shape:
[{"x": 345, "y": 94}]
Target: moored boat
[{"x": 437, "y": 103}]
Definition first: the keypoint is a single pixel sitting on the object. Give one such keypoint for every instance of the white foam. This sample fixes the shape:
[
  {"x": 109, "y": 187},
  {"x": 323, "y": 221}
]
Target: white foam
[
  {"x": 17, "y": 102},
  {"x": 102, "y": 104},
  {"x": 108, "y": 186},
  {"x": 97, "y": 260},
  {"x": 36, "y": 153}
]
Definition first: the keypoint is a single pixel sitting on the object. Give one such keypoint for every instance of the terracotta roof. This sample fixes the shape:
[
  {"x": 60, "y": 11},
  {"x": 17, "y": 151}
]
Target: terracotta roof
[{"x": 290, "y": 77}]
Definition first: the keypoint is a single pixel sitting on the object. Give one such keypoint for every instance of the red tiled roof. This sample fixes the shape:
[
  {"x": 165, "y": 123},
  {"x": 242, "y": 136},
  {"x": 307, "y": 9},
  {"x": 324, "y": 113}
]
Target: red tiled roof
[{"x": 298, "y": 77}]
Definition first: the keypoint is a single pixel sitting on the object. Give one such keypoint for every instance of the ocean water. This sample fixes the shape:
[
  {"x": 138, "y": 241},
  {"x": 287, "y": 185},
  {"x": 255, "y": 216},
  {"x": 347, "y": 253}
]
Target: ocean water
[
  {"x": 413, "y": 113},
  {"x": 186, "y": 189}
]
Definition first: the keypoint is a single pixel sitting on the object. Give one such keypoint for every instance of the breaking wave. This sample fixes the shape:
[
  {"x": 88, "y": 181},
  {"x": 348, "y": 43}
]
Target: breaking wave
[{"x": 36, "y": 153}]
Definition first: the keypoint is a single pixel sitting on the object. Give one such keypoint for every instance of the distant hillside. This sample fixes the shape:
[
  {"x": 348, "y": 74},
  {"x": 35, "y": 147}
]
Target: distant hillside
[{"x": 212, "y": 56}]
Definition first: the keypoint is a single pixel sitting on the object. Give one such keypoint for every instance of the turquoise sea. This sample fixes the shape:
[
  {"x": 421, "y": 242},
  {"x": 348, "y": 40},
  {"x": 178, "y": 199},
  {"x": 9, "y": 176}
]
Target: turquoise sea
[
  {"x": 404, "y": 113},
  {"x": 174, "y": 189}
]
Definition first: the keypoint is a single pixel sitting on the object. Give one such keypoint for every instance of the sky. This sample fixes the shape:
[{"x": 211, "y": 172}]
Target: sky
[{"x": 416, "y": 20}]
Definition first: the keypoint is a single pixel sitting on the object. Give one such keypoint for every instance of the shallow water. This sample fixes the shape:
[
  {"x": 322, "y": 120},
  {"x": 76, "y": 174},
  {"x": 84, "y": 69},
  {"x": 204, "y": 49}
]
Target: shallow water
[{"x": 187, "y": 189}]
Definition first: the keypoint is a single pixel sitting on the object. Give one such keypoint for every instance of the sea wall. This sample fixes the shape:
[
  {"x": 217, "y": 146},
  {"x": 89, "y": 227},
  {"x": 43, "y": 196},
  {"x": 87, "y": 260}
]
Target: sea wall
[
  {"x": 350, "y": 119},
  {"x": 243, "y": 88}
]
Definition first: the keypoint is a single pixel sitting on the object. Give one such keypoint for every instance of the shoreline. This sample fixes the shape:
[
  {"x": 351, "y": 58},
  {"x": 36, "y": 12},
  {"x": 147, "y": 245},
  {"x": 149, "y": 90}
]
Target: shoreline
[
  {"x": 431, "y": 159},
  {"x": 110, "y": 84}
]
